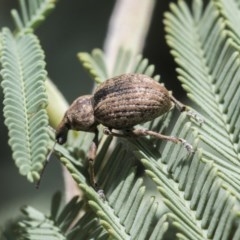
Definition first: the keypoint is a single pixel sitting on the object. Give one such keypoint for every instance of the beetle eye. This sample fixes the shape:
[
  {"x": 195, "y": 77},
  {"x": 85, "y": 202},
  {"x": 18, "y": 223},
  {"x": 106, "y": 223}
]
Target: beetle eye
[
  {"x": 61, "y": 138},
  {"x": 61, "y": 133}
]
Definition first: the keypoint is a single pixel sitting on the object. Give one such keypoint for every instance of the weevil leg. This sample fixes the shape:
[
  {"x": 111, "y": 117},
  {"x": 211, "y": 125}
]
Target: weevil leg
[
  {"x": 109, "y": 132},
  {"x": 183, "y": 108},
  {"x": 138, "y": 132},
  {"x": 91, "y": 156},
  {"x": 180, "y": 106}
]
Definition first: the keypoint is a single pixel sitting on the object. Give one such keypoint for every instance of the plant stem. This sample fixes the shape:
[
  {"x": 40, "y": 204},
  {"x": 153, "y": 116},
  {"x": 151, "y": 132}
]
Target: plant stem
[{"x": 128, "y": 27}]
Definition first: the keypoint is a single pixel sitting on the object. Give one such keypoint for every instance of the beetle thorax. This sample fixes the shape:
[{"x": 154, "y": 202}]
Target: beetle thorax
[{"x": 80, "y": 115}]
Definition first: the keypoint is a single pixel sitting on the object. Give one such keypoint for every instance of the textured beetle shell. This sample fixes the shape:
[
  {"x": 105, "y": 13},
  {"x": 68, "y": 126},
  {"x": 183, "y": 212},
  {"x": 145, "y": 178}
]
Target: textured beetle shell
[
  {"x": 130, "y": 99},
  {"x": 80, "y": 115}
]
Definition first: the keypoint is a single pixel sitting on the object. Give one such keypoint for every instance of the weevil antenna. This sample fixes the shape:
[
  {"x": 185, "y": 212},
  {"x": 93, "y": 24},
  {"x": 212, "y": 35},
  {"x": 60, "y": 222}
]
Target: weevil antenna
[{"x": 45, "y": 164}]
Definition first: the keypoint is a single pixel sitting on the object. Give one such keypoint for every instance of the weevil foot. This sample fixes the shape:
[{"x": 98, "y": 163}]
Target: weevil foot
[
  {"x": 99, "y": 191},
  {"x": 101, "y": 194},
  {"x": 107, "y": 131},
  {"x": 196, "y": 116},
  {"x": 187, "y": 145}
]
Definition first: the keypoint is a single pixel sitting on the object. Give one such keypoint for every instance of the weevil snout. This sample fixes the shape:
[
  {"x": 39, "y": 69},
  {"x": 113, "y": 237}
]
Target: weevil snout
[
  {"x": 62, "y": 130},
  {"x": 79, "y": 116},
  {"x": 61, "y": 134}
]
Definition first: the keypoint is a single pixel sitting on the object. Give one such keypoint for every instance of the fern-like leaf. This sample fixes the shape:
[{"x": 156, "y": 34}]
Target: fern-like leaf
[
  {"x": 25, "y": 100},
  {"x": 33, "y": 13},
  {"x": 209, "y": 70},
  {"x": 230, "y": 10},
  {"x": 66, "y": 223},
  {"x": 211, "y": 79},
  {"x": 95, "y": 64},
  {"x": 62, "y": 223},
  {"x": 190, "y": 188},
  {"x": 126, "y": 213}
]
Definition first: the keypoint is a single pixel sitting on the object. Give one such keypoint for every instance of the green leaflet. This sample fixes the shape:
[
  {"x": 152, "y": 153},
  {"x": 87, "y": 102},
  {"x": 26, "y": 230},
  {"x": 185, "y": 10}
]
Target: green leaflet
[
  {"x": 25, "y": 101},
  {"x": 95, "y": 64},
  {"x": 63, "y": 225},
  {"x": 190, "y": 188},
  {"x": 209, "y": 70},
  {"x": 208, "y": 67},
  {"x": 230, "y": 10},
  {"x": 128, "y": 212},
  {"x": 32, "y": 14},
  {"x": 36, "y": 225}
]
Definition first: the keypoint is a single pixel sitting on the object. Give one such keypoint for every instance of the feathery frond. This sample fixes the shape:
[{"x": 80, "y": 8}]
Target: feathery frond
[
  {"x": 190, "y": 187},
  {"x": 25, "y": 101},
  {"x": 209, "y": 68},
  {"x": 230, "y": 11},
  {"x": 208, "y": 63},
  {"x": 95, "y": 64},
  {"x": 126, "y": 62},
  {"x": 61, "y": 223},
  {"x": 68, "y": 224},
  {"x": 33, "y": 13},
  {"x": 127, "y": 213}
]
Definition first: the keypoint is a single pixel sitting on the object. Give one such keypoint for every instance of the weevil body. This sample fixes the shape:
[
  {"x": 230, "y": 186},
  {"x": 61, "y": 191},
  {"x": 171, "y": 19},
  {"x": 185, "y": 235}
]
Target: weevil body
[
  {"x": 120, "y": 103},
  {"x": 130, "y": 99}
]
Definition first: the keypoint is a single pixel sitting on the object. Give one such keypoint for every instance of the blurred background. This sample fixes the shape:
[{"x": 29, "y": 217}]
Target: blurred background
[{"x": 74, "y": 26}]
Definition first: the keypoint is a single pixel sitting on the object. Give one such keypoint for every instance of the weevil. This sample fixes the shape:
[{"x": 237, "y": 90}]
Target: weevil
[{"x": 120, "y": 103}]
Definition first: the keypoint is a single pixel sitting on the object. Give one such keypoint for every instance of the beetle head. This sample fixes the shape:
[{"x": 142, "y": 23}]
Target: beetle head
[{"x": 79, "y": 116}]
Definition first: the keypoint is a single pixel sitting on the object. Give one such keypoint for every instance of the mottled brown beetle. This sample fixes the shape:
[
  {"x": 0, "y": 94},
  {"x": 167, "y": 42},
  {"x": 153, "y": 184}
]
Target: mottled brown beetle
[{"x": 120, "y": 103}]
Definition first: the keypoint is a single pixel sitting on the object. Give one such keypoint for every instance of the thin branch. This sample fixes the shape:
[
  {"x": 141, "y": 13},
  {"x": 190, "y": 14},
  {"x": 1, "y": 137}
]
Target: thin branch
[{"x": 128, "y": 27}]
